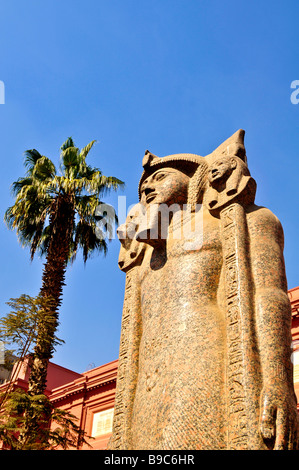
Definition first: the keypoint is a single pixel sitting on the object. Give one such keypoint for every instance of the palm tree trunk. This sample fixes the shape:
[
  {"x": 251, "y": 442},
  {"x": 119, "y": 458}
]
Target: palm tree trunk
[{"x": 61, "y": 222}]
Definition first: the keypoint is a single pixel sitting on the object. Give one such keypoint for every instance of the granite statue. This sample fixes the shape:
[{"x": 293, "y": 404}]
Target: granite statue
[{"x": 205, "y": 350}]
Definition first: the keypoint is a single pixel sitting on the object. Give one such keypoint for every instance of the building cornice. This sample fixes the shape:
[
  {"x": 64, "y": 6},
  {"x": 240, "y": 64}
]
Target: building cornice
[
  {"x": 294, "y": 299},
  {"x": 91, "y": 380}
]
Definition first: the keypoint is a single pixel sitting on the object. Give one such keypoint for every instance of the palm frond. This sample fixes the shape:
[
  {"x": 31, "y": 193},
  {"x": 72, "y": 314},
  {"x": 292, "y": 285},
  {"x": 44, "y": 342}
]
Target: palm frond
[
  {"x": 44, "y": 241},
  {"x": 18, "y": 185},
  {"x": 44, "y": 169},
  {"x": 85, "y": 151},
  {"x": 68, "y": 143},
  {"x": 70, "y": 157},
  {"x": 31, "y": 157},
  {"x": 108, "y": 183},
  {"x": 86, "y": 205},
  {"x": 87, "y": 239}
]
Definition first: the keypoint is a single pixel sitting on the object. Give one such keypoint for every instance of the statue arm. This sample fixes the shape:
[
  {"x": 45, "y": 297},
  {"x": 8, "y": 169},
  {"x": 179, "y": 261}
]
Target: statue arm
[
  {"x": 128, "y": 365},
  {"x": 278, "y": 421}
]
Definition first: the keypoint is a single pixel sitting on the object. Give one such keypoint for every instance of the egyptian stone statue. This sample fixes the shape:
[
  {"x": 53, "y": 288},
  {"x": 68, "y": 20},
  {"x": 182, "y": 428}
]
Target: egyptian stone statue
[{"x": 205, "y": 352}]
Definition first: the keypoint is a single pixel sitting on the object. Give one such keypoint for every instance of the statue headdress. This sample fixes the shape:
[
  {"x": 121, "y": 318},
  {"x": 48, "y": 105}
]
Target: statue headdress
[
  {"x": 239, "y": 184},
  {"x": 196, "y": 166},
  {"x": 193, "y": 165}
]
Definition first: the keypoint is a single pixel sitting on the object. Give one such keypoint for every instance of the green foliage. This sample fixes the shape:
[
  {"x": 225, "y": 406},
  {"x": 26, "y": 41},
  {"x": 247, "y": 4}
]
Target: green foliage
[
  {"x": 24, "y": 418},
  {"x": 19, "y": 327},
  {"x": 32, "y": 423},
  {"x": 27, "y": 322}
]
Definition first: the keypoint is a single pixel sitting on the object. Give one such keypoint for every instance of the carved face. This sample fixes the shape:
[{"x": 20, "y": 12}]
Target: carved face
[
  {"x": 220, "y": 169},
  {"x": 165, "y": 186},
  {"x": 131, "y": 249},
  {"x": 127, "y": 231}
]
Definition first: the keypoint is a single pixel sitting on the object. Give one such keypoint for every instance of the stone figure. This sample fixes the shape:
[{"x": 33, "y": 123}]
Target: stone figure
[{"x": 205, "y": 353}]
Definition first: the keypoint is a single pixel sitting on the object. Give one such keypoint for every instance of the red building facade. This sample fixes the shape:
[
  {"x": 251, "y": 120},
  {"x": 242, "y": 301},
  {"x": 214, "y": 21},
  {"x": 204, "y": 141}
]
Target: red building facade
[
  {"x": 294, "y": 298},
  {"x": 91, "y": 399}
]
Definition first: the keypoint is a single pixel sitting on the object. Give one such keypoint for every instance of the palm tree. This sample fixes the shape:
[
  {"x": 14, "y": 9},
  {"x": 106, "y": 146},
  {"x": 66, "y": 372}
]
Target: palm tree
[{"x": 55, "y": 215}]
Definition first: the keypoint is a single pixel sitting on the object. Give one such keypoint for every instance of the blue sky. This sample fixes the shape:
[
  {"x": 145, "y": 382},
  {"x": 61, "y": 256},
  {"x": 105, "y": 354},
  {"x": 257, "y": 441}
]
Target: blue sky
[{"x": 170, "y": 76}]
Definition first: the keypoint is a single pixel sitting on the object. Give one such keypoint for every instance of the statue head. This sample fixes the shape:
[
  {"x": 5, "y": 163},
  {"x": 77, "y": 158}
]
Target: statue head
[
  {"x": 131, "y": 250},
  {"x": 170, "y": 185},
  {"x": 174, "y": 179},
  {"x": 165, "y": 186},
  {"x": 228, "y": 174},
  {"x": 220, "y": 170}
]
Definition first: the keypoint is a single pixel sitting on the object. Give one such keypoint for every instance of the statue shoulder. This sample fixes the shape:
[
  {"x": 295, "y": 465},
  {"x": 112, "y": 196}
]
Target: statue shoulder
[
  {"x": 262, "y": 222},
  {"x": 261, "y": 213}
]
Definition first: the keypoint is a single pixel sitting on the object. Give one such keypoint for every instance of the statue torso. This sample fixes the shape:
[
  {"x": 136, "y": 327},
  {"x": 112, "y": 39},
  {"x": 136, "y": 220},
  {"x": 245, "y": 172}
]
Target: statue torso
[{"x": 182, "y": 341}]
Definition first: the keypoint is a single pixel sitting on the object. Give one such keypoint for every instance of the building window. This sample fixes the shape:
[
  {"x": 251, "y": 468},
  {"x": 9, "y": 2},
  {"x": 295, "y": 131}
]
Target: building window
[
  {"x": 296, "y": 365},
  {"x": 102, "y": 423}
]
